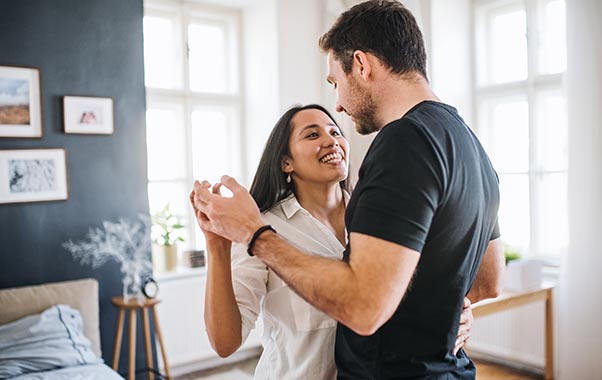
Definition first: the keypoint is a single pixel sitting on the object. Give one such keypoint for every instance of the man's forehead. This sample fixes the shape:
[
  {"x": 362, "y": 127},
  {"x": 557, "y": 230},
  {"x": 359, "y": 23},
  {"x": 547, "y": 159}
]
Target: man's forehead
[{"x": 332, "y": 65}]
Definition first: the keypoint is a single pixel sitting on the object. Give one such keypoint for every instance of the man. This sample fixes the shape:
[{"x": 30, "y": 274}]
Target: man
[{"x": 422, "y": 220}]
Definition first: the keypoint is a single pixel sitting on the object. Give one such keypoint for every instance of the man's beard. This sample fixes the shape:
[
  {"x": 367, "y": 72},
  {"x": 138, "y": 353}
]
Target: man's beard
[{"x": 365, "y": 116}]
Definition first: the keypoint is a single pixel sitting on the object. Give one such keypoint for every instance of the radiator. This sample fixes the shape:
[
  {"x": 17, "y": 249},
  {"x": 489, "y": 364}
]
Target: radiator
[{"x": 515, "y": 337}]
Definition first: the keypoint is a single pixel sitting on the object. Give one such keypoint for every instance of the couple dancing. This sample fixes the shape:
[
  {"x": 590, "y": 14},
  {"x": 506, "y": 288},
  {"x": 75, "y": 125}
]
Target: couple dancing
[{"x": 369, "y": 284}]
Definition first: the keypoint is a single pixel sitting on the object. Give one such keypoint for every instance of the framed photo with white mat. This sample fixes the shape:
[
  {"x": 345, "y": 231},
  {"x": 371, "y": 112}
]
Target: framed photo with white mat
[
  {"x": 88, "y": 115},
  {"x": 33, "y": 175}
]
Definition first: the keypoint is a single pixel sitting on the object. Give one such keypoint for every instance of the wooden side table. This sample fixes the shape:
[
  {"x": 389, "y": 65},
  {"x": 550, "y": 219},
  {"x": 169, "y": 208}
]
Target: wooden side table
[
  {"x": 133, "y": 306},
  {"x": 509, "y": 300}
]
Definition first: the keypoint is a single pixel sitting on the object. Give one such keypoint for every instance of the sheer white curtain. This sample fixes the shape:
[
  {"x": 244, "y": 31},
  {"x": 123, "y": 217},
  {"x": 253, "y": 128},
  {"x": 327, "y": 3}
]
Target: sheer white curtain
[{"x": 579, "y": 343}]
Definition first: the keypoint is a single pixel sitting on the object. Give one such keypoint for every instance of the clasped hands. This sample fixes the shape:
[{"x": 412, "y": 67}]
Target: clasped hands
[{"x": 234, "y": 218}]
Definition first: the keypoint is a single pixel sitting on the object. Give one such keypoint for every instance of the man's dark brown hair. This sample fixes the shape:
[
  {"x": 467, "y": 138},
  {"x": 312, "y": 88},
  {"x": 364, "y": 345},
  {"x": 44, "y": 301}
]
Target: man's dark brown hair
[{"x": 384, "y": 28}]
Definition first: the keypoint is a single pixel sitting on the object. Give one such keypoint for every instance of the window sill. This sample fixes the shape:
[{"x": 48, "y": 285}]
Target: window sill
[{"x": 180, "y": 273}]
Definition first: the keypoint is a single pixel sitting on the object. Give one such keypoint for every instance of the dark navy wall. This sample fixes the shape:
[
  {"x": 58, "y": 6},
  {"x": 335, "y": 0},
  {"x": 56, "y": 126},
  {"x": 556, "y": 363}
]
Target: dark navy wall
[{"x": 90, "y": 48}]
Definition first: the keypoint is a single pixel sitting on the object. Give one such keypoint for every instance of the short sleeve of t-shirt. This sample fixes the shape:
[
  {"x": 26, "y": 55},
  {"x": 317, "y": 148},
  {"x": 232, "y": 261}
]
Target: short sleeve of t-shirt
[
  {"x": 496, "y": 231},
  {"x": 401, "y": 186}
]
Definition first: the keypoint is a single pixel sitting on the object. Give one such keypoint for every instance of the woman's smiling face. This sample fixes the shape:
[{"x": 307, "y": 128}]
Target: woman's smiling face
[{"x": 319, "y": 152}]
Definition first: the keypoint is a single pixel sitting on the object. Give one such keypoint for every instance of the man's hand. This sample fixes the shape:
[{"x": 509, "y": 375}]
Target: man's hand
[
  {"x": 235, "y": 218},
  {"x": 213, "y": 240},
  {"x": 466, "y": 321}
]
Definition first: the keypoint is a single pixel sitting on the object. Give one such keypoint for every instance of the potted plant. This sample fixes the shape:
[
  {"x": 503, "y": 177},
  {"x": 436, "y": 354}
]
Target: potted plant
[
  {"x": 165, "y": 232},
  {"x": 521, "y": 274}
]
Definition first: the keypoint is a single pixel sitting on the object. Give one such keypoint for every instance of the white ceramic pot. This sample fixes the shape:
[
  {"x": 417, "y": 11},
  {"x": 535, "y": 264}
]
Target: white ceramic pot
[
  {"x": 165, "y": 258},
  {"x": 523, "y": 275}
]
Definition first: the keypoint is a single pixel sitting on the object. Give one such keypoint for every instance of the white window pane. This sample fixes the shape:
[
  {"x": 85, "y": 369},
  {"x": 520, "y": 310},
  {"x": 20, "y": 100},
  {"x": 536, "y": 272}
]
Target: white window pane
[
  {"x": 514, "y": 219},
  {"x": 507, "y": 134},
  {"x": 207, "y": 55},
  {"x": 552, "y": 40},
  {"x": 552, "y": 132},
  {"x": 165, "y": 145},
  {"x": 552, "y": 218},
  {"x": 211, "y": 145},
  {"x": 508, "y": 46},
  {"x": 160, "y": 53},
  {"x": 174, "y": 193}
]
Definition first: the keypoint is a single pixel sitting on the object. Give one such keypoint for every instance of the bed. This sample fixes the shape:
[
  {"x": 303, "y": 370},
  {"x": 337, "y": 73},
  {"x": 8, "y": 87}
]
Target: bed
[{"x": 51, "y": 331}]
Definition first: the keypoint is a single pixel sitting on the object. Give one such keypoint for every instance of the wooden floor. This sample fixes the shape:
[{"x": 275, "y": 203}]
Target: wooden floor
[
  {"x": 488, "y": 371},
  {"x": 245, "y": 369}
]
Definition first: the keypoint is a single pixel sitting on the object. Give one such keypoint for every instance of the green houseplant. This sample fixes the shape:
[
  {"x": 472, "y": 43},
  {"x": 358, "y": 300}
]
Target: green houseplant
[
  {"x": 511, "y": 254},
  {"x": 166, "y": 232}
]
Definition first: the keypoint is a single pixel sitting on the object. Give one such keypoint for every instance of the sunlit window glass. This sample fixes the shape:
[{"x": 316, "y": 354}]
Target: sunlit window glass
[
  {"x": 508, "y": 135},
  {"x": 552, "y": 41},
  {"x": 514, "y": 218},
  {"x": 211, "y": 153},
  {"x": 160, "y": 62},
  {"x": 173, "y": 193},
  {"x": 165, "y": 145},
  {"x": 508, "y": 46},
  {"x": 552, "y": 132},
  {"x": 207, "y": 58}
]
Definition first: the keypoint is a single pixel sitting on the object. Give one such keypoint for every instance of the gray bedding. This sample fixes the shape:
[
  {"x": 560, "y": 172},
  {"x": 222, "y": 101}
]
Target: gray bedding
[{"x": 50, "y": 341}]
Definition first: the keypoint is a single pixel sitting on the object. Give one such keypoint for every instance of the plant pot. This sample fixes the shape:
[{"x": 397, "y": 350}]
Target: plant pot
[
  {"x": 165, "y": 258},
  {"x": 522, "y": 275}
]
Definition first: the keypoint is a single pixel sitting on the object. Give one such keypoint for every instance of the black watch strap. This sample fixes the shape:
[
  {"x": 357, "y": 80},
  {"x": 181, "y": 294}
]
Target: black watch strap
[{"x": 259, "y": 231}]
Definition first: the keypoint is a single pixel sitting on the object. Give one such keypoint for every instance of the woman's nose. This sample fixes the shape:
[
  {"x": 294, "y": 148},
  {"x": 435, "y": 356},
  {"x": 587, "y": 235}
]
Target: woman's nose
[{"x": 330, "y": 140}]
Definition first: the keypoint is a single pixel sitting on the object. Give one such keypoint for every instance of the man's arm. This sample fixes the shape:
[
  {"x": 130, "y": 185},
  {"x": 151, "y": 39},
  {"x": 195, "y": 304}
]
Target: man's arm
[
  {"x": 362, "y": 294},
  {"x": 489, "y": 280}
]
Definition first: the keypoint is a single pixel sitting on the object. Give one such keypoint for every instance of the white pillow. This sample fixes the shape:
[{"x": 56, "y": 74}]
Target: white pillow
[{"x": 41, "y": 342}]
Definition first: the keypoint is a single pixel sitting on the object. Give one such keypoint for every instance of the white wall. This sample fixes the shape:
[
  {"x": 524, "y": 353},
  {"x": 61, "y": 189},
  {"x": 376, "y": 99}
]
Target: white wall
[
  {"x": 299, "y": 58},
  {"x": 261, "y": 85},
  {"x": 283, "y": 65},
  {"x": 580, "y": 287},
  {"x": 449, "y": 55}
]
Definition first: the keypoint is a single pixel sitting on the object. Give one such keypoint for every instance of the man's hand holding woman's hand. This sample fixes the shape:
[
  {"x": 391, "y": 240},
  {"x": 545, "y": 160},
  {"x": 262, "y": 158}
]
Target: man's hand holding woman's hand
[{"x": 234, "y": 218}]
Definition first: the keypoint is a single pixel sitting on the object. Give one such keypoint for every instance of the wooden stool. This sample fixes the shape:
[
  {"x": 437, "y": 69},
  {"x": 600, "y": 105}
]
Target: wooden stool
[{"x": 133, "y": 306}]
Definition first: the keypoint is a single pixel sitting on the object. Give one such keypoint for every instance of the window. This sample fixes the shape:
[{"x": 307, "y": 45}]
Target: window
[
  {"x": 194, "y": 102},
  {"x": 520, "y": 54}
]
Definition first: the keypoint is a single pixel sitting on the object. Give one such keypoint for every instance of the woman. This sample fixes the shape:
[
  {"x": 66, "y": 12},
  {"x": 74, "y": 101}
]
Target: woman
[{"x": 301, "y": 189}]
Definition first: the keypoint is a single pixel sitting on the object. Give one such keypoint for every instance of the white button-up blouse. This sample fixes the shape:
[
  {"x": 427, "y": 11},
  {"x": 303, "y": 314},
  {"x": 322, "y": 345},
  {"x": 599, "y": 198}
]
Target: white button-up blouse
[{"x": 298, "y": 339}]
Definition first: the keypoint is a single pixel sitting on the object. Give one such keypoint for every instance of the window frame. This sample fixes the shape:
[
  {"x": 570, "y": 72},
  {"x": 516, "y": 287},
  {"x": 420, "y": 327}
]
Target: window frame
[
  {"x": 185, "y": 14},
  {"x": 530, "y": 88}
]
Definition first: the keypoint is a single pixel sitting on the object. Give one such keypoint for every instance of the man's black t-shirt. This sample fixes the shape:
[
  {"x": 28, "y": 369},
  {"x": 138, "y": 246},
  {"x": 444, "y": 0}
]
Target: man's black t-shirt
[{"x": 427, "y": 184}]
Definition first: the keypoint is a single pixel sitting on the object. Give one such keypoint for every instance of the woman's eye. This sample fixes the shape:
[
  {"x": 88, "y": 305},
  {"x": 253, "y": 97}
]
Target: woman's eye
[
  {"x": 336, "y": 133},
  {"x": 313, "y": 134}
]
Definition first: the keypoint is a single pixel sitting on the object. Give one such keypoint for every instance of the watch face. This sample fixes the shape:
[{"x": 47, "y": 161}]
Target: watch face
[{"x": 150, "y": 288}]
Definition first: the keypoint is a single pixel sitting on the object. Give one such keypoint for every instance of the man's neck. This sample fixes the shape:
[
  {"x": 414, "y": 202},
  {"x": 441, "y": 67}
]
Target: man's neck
[{"x": 399, "y": 95}]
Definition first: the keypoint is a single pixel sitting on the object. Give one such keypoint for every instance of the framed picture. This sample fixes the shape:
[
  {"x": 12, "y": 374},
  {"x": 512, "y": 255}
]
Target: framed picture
[
  {"x": 20, "y": 102},
  {"x": 33, "y": 175},
  {"x": 84, "y": 114}
]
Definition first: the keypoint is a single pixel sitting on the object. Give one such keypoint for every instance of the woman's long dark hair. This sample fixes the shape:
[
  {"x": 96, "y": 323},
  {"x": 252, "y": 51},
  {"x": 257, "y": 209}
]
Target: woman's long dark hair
[{"x": 269, "y": 185}]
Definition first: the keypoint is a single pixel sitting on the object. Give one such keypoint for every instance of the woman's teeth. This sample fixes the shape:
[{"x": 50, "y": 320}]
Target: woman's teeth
[{"x": 332, "y": 157}]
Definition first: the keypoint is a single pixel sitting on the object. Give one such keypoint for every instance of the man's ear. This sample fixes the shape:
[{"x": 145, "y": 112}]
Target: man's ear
[{"x": 362, "y": 64}]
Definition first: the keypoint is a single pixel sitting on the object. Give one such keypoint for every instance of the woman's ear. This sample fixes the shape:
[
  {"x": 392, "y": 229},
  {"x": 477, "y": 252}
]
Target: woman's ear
[{"x": 287, "y": 165}]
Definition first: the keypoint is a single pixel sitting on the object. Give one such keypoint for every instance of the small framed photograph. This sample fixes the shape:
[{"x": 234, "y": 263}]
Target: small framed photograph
[
  {"x": 84, "y": 114},
  {"x": 20, "y": 102},
  {"x": 33, "y": 175}
]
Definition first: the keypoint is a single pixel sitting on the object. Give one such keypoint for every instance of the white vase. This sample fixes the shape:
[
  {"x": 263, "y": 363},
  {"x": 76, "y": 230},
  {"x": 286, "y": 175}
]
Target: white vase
[
  {"x": 165, "y": 258},
  {"x": 523, "y": 275},
  {"x": 132, "y": 286}
]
